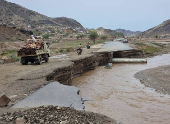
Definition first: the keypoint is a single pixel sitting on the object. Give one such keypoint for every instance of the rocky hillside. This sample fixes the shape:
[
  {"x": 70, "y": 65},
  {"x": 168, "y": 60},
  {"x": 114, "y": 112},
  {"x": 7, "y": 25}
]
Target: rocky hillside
[
  {"x": 111, "y": 33},
  {"x": 128, "y": 33},
  {"x": 163, "y": 30},
  {"x": 13, "y": 14},
  {"x": 67, "y": 22}
]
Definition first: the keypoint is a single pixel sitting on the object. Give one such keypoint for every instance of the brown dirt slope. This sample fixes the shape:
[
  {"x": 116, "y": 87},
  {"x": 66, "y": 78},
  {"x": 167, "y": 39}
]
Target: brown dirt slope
[{"x": 11, "y": 34}]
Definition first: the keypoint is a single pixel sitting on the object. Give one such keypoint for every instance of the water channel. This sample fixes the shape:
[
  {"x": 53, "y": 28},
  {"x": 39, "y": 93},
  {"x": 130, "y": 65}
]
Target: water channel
[{"x": 118, "y": 94}]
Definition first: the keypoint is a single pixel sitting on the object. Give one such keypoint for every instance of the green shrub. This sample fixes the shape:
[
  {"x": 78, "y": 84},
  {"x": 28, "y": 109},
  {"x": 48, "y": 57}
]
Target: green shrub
[
  {"x": 4, "y": 53},
  {"x": 17, "y": 58},
  {"x": 11, "y": 51},
  {"x": 93, "y": 35},
  {"x": 158, "y": 44},
  {"x": 67, "y": 50},
  {"x": 77, "y": 37},
  {"x": 61, "y": 51},
  {"x": 150, "y": 49},
  {"x": 81, "y": 35},
  {"x": 54, "y": 41},
  {"x": 38, "y": 33},
  {"x": 100, "y": 41},
  {"x": 46, "y": 36},
  {"x": 103, "y": 37}
]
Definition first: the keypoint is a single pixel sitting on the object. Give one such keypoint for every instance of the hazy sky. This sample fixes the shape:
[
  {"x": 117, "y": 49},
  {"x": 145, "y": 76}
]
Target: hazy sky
[{"x": 134, "y": 15}]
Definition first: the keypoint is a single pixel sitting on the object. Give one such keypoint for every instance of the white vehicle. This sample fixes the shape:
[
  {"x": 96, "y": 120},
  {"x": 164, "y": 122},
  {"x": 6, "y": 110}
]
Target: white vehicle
[{"x": 125, "y": 41}]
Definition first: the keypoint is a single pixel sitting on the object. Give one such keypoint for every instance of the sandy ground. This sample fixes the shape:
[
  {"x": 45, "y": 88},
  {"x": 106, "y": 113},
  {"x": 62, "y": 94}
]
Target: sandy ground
[{"x": 157, "y": 78}]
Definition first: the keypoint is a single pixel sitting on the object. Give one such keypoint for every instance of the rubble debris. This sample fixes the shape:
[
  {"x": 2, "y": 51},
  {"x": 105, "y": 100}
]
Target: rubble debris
[
  {"x": 4, "y": 100},
  {"x": 56, "y": 115},
  {"x": 20, "y": 121},
  {"x": 108, "y": 66}
]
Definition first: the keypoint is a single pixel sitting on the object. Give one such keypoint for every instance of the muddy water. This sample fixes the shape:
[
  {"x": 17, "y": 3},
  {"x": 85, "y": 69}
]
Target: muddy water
[{"x": 116, "y": 93}]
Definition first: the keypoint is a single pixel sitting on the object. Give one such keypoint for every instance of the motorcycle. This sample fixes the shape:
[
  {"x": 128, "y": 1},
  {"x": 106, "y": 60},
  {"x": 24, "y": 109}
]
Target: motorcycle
[
  {"x": 88, "y": 46},
  {"x": 79, "y": 51}
]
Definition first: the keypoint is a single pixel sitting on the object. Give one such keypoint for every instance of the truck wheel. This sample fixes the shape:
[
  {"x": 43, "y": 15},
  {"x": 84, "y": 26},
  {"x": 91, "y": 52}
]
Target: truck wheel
[
  {"x": 46, "y": 58},
  {"x": 32, "y": 61},
  {"x": 39, "y": 61},
  {"x": 26, "y": 63}
]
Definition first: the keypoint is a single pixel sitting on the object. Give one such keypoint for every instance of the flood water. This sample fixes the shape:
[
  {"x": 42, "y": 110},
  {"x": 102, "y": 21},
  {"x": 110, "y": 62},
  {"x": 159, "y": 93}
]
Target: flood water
[{"x": 118, "y": 94}]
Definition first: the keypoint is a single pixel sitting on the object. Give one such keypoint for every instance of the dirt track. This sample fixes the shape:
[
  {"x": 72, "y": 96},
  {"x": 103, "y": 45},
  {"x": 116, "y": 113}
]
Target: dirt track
[{"x": 13, "y": 71}]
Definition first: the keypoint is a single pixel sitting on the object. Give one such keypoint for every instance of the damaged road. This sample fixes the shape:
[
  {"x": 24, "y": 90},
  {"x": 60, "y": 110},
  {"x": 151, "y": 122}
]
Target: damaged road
[
  {"x": 19, "y": 82},
  {"x": 53, "y": 94}
]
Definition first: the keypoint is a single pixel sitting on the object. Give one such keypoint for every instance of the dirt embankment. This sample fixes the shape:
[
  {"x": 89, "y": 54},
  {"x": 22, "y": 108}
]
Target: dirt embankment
[{"x": 12, "y": 34}]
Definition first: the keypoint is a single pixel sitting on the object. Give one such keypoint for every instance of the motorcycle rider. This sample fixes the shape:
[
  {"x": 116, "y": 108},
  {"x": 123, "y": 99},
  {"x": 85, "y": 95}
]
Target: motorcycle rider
[
  {"x": 88, "y": 45},
  {"x": 80, "y": 47}
]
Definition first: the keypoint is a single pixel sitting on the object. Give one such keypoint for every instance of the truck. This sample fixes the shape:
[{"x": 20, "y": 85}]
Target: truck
[{"x": 35, "y": 51}]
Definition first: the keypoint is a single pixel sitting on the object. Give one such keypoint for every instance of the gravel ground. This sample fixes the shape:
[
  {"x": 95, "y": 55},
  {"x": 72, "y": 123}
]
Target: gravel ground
[{"x": 54, "y": 115}]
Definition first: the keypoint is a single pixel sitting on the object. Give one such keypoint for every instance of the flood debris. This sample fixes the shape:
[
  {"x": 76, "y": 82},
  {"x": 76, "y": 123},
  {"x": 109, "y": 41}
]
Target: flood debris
[
  {"x": 20, "y": 121},
  {"x": 108, "y": 66},
  {"x": 54, "y": 115},
  {"x": 4, "y": 100}
]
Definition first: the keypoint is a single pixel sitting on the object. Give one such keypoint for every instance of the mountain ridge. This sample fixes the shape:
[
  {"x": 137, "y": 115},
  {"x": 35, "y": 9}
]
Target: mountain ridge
[
  {"x": 14, "y": 14},
  {"x": 128, "y": 33},
  {"x": 162, "y": 29}
]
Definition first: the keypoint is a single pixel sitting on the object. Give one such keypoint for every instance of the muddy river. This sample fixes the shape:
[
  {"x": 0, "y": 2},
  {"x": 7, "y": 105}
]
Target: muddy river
[{"x": 118, "y": 94}]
